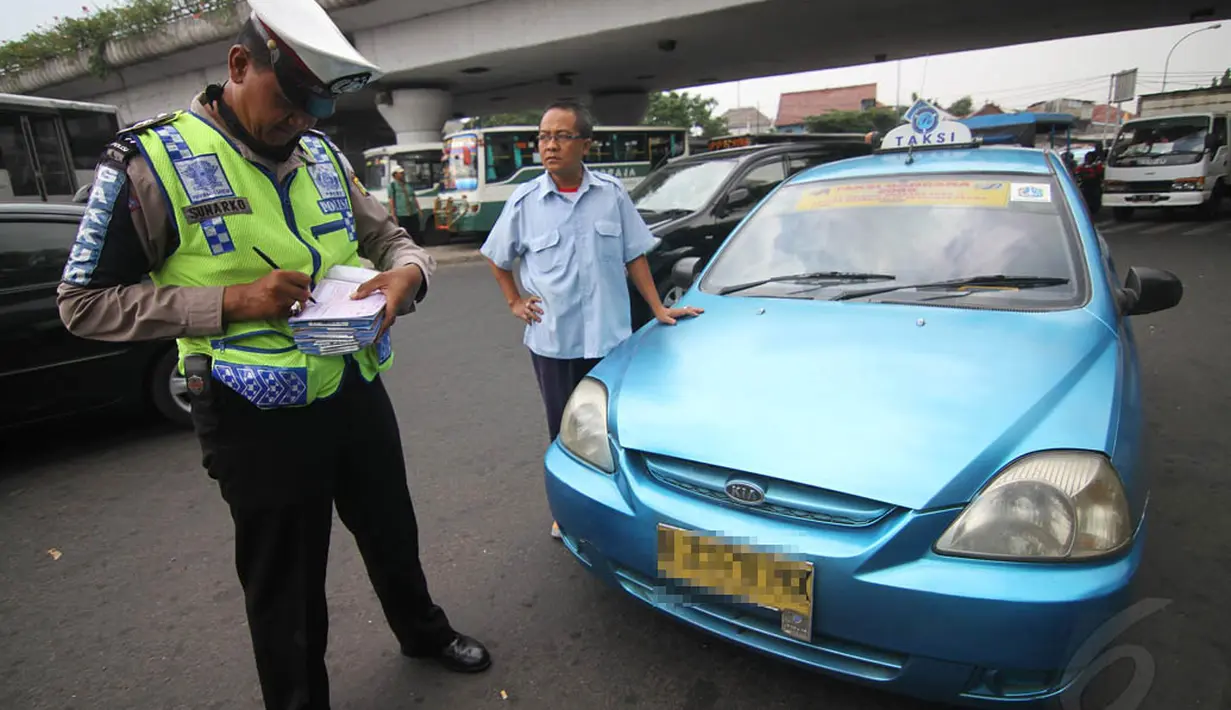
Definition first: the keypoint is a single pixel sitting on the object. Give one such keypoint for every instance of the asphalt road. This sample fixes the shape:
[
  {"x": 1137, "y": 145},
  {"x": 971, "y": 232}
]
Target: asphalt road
[{"x": 141, "y": 608}]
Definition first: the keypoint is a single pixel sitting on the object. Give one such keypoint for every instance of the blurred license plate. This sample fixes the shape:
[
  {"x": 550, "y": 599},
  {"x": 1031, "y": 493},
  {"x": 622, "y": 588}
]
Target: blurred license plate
[{"x": 741, "y": 573}]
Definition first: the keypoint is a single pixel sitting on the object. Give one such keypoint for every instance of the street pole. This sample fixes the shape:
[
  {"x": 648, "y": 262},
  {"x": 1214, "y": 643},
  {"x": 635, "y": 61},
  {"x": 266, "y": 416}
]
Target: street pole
[
  {"x": 1167, "y": 64},
  {"x": 1111, "y": 80}
]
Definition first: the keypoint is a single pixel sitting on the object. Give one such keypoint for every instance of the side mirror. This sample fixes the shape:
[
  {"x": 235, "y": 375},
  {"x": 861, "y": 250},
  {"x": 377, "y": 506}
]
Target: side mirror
[
  {"x": 738, "y": 197},
  {"x": 684, "y": 271},
  {"x": 1211, "y": 143},
  {"x": 1149, "y": 290}
]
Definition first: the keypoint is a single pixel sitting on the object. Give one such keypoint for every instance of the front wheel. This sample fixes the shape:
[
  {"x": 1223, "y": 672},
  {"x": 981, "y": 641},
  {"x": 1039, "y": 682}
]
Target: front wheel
[{"x": 168, "y": 389}]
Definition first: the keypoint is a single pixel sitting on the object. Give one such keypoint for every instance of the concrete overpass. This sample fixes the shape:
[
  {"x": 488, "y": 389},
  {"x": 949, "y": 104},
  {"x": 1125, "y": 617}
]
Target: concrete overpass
[{"x": 454, "y": 58}]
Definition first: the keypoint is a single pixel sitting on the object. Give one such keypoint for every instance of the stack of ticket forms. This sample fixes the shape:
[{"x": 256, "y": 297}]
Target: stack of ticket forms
[{"x": 338, "y": 324}]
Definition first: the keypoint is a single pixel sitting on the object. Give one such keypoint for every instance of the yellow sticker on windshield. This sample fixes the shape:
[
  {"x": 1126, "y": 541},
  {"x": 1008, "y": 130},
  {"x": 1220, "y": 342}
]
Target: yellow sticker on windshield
[{"x": 945, "y": 193}]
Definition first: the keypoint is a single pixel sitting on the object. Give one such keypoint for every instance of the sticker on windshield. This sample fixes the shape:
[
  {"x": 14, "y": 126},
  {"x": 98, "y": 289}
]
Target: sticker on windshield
[
  {"x": 1030, "y": 192},
  {"x": 964, "y": 193}
]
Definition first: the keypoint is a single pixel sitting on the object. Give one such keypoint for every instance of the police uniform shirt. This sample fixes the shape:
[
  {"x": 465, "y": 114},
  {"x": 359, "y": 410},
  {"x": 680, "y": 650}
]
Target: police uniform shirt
[{"x": 115, "y": 305}]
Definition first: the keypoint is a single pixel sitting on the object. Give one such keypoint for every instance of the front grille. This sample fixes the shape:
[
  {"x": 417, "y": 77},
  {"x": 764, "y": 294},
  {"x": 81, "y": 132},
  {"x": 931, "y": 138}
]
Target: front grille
[{"x": 782, "y": 498}]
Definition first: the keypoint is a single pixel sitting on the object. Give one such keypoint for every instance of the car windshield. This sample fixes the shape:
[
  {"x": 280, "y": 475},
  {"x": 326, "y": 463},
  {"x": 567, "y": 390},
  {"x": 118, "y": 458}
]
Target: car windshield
[
  {"x": 1163, "y": 141},
  {"x": 684, "y": 187},
  {"x": 1009, "y": 230}
]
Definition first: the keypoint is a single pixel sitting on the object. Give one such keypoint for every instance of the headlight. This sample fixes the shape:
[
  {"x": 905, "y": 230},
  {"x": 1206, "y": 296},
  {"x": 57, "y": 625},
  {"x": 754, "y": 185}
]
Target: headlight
[
  {"x": 1060, "y": 505},
  {"x": 583, "y": 428}
]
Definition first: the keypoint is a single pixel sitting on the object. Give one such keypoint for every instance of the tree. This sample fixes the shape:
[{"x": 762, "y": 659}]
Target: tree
[
  {"x": 516, "y": 118},
  {"x": 961, "y": 107},
  {"x": 1221, "y": 81},
  {"x": 881, "y": 119},
  {"x": 693, "y": 112}
]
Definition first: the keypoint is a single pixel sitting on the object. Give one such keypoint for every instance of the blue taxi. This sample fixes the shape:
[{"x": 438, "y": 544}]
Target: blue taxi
[{"x": 903, "y": 443}]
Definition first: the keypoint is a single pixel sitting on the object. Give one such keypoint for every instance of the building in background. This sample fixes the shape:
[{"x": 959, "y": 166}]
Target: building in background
[
  {"x": 794, "y": 108},
  {"x": 747, "y": 121}
]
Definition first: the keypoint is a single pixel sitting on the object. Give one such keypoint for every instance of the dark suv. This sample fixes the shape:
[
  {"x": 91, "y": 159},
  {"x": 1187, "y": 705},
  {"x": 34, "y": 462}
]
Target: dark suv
[
  {"x": 693, "y": 203},
  {"x": 47, "y": 372}
]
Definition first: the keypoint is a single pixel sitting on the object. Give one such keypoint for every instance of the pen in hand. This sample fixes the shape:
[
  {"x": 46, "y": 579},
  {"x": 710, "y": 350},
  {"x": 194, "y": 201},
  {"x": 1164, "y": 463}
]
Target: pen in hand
[{"x": 267, "y": 260}]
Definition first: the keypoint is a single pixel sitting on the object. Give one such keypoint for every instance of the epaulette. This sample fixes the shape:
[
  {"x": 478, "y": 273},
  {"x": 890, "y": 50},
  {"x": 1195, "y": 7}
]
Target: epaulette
[
  {"x": 522, "y": 190},
  {"x": 118, "y": 152},
  {"x": 158, "y": 120}
]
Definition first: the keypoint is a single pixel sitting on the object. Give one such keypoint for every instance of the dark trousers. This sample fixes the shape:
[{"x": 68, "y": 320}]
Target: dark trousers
[
  {"x": 282, "y": 472},
  {"x": 412, "y": 227},
  {"x": 557, "y": 380}
]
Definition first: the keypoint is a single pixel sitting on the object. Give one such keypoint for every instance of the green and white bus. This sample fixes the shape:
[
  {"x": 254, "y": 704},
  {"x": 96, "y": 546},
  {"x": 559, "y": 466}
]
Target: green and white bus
[
  {"x": 424, "y": 168},
  {"x": 483, "y": 166}
]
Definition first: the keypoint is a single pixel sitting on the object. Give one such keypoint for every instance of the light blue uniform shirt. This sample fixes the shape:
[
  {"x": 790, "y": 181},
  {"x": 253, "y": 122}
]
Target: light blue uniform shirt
[{"x": 573, "y": 248}]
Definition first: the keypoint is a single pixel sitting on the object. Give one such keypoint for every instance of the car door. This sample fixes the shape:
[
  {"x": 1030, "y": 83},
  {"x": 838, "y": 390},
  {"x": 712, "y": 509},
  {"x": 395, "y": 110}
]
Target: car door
[
  {"x": 44, "y": 369},
  {"x": 759, "y": 178}
]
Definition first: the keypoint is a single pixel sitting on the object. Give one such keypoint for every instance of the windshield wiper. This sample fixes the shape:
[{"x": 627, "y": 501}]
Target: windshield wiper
[
  {"x": 841, "y": 275},
  {"x": 1001, "y": 280}
]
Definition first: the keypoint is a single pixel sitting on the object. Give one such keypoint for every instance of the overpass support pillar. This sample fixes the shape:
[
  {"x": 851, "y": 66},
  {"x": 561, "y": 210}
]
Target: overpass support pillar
[
  {"x": 416, "y": 115},
  {"x": 619, "y": 108}
]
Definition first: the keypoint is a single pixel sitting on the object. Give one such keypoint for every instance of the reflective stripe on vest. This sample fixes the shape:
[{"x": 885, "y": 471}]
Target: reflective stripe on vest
[{"x": 223, "y": 206}]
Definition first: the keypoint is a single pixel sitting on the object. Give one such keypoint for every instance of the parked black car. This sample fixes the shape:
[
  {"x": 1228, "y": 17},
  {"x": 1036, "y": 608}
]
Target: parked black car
[
  {"x": 47, "y": 372},
  {"x": 693, "y": 203}
]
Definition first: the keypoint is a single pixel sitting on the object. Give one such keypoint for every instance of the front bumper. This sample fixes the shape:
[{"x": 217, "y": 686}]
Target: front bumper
[
  {"x": 888, "y": 611},
  {"x": 1154, "y": 199}
]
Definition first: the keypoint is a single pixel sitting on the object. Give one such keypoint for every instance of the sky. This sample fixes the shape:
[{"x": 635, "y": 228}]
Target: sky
[{"x": 1071, "y": 68}]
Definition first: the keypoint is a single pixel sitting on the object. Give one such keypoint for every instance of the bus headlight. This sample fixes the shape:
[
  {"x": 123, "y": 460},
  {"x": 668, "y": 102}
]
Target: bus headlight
[
  {"x": 1046, "y": 507},
  {"x": 1193, "y": 184},
  {"x": 583, "y": 427}
]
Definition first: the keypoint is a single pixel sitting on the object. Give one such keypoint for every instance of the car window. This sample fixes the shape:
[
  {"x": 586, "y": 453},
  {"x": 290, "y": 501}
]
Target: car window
[
  {"x": 34, "y": 251},
  {"x": 764, "y": 177},
  {"x": 916, "y": 229},
  {"x": 680, "y": 187}
]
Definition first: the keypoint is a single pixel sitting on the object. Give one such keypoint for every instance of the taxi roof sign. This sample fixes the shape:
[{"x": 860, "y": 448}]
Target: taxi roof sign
[{"x": 924, "y": 127}]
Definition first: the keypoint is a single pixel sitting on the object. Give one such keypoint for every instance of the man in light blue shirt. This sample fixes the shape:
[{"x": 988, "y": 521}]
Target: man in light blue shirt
[{"x": 577, "y": 234}]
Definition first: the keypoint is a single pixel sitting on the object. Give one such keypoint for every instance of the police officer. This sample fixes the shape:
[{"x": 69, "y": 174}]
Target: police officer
[{"x": 234, "y": 209}]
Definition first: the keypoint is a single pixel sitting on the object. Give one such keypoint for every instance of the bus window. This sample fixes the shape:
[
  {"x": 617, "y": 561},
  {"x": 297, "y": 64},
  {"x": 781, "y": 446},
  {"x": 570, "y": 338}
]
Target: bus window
[
  {"x": 507, "y": 153},
  {"x": 629, "y": 147},
  {"x": 665, "y": 144},
  {"x": 374, "y": 177},
  {"x": 423, "y": 168},
  {"x": 88, "y": 134},
  {"x": 49, "y": 150},
  {"x": 16, "y": 171}
]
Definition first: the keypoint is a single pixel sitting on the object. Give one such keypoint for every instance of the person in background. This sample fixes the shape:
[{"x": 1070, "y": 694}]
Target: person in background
[
  {"x": 404, "y": 207},
  {"x": 578, "y": 237}
]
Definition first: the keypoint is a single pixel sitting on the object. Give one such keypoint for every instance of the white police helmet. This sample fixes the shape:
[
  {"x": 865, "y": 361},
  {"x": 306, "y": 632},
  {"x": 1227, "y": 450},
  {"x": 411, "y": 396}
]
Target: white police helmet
[{"x": 314, "y": 63}]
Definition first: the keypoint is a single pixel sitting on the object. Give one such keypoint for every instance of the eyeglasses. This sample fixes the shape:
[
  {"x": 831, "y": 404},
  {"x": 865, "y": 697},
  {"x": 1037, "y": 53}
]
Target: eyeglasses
[{"x": 562, "y": 137}]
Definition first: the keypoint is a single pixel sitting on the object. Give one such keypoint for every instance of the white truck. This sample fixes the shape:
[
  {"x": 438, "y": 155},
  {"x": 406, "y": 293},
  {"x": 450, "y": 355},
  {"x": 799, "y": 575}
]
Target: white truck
[{"x": 1175, "y": 154}]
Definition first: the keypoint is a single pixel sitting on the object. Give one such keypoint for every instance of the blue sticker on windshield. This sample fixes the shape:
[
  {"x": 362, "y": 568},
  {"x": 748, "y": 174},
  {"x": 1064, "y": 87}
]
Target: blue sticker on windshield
[{"x": 1030, "y": 192}]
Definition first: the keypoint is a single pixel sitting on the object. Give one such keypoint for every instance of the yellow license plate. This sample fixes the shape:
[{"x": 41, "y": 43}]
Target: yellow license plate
[{"x": 740, "y": 572}]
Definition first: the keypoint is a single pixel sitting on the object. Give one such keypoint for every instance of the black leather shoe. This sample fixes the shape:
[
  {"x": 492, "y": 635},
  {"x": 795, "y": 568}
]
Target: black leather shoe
[{"x": 463, "y": 654}]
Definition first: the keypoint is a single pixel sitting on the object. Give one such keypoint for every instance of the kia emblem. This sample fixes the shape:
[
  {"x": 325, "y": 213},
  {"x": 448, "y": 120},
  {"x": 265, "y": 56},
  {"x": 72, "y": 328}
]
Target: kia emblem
[{"x": 745, "y": 492}]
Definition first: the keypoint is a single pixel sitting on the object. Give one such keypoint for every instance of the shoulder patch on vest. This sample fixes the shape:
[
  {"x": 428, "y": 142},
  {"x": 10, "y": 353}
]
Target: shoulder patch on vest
[
  {"x": 158, "y": 120},
  {"x": 119, "y": 151}
]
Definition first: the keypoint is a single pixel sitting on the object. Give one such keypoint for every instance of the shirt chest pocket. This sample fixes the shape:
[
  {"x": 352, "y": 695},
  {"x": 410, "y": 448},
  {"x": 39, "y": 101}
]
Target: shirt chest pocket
[
  {"x": 609, "y": 242},
  {"x": 547, "y": 253}
]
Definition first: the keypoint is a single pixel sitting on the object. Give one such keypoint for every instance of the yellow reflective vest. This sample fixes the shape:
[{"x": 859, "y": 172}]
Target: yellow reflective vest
[{"x": 223, "y": 206}]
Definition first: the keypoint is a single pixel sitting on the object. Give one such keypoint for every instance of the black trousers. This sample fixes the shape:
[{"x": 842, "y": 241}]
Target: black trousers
[
  {"x": 282, "y": 472},
  {"x": 412, "y": 227},
  {"x": 557, "y": 380}
]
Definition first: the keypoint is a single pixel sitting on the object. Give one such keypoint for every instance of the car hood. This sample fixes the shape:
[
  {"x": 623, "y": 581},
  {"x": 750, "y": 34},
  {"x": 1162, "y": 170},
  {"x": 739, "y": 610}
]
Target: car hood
[{"x": 912, "y": 406}]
